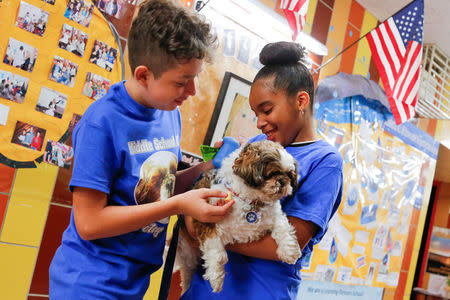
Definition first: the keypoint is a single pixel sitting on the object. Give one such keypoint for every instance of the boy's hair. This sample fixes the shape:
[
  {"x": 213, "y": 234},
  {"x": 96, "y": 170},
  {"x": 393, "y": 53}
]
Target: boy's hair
[{"x": 164, "y": 34}]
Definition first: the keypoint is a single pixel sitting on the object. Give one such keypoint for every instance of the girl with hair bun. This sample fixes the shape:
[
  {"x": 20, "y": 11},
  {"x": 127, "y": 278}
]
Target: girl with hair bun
[{"x": 282, "y": 97}]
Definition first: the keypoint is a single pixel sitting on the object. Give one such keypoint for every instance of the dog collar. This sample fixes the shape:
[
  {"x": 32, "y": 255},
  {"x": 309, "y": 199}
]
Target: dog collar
[
  {"x": 256, "y": 204},
  {"x": 253, "y": 215}
]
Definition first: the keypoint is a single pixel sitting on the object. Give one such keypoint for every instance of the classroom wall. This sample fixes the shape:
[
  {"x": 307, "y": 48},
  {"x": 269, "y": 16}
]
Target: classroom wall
[{"x": 35, "y": 203}]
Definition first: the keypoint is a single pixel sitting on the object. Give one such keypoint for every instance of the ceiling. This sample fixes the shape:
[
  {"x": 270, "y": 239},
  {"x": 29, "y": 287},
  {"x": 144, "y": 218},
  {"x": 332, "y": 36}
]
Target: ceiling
[{"x": 437, "y": 23}]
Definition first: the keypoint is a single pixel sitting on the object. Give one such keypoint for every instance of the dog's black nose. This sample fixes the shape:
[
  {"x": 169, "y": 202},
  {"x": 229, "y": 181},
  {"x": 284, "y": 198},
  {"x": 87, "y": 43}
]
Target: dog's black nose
[{"x": 281, "y": 182}]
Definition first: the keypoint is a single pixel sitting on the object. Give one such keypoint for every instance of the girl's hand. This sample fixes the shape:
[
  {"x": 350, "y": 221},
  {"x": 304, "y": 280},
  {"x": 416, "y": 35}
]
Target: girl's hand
[{"x": 194, "y": 203}]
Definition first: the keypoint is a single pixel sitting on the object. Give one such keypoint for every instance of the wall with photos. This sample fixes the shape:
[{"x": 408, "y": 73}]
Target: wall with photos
[
  {"x": 34, "y": 201},
  {"x": 57, "y": 57}
]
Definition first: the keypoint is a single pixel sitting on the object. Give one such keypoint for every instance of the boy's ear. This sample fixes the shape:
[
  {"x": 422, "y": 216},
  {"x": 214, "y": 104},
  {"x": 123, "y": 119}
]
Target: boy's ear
[
  {"x": 142, "y": 74},
  {"x": 302, "y": 100}
]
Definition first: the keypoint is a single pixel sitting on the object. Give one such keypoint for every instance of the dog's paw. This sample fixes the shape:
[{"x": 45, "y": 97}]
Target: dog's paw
[
  {"x": 215, "y": 279},
  {"x": 289, "y": 255},
  {"x": 217, "y": 284}
]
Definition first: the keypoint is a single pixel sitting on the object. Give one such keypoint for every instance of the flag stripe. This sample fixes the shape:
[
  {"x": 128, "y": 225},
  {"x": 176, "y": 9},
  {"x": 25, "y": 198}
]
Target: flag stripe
[
  {"x": 411, "y": 66},
  {"x": 385, "y": 65},
  {"x": 397, "y": 38},
  {"x": 295, "y": 11},
  {"x": 391, "y": 51},
  {"x": 394, "y": 49}
]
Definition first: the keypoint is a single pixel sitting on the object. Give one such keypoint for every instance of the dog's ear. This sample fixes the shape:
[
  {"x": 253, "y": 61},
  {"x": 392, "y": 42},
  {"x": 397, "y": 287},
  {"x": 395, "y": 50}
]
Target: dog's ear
[
  {"x": 246, "y": 166},
  {"x": 294, "y": 177}
]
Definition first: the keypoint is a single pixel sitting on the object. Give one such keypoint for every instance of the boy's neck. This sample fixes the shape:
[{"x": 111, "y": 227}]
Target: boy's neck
[{"x": 134, "y": 90}]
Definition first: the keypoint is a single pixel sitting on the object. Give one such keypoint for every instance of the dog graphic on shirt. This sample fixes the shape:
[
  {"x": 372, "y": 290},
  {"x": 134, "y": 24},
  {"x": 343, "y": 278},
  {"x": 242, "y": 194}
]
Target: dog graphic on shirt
[{"x": 156, "y": 182}]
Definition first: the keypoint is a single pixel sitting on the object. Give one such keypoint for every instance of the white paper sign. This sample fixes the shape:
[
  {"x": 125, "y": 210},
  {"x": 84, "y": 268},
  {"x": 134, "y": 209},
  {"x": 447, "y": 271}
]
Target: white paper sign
[{"x": 4, "y": 111}]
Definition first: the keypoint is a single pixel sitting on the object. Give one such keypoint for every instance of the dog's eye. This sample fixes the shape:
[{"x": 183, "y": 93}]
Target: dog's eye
[{"x": 272, "y": 174}]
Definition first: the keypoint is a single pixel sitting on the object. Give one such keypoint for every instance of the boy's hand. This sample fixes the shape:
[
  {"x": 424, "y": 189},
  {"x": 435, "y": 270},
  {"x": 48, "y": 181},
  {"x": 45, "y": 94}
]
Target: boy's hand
[{"x": 194, "y": 203}]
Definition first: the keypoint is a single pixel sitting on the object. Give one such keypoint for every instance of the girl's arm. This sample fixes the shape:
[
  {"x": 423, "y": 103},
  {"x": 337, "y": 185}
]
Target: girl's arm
[
  {"x": 95, "y": 219},
  {"x": 266, "y": 247}
]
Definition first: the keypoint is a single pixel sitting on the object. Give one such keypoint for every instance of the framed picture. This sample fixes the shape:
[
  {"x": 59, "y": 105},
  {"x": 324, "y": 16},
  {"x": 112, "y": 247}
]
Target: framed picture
[{"x": 232, "y": 115}]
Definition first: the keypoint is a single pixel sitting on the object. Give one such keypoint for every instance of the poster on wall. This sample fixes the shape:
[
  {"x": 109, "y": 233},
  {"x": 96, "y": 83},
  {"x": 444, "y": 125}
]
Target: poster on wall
[{"x": 385, "y": 170}]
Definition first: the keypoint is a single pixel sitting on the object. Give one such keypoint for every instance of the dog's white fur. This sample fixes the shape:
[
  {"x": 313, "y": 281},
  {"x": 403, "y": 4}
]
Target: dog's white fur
[{"x": 235, "y": 228}]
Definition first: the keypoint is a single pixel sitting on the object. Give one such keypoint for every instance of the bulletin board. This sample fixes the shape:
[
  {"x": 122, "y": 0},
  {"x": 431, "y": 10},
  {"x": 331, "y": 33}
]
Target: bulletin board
[
  {"x": 57, "y": 57},
  {"x": 385, "y": 174}
]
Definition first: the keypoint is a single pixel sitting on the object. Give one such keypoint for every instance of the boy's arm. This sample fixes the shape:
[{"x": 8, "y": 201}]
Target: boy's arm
[
  {"x": 186, "y": 177},
  {"x": 94, "y": 219}
]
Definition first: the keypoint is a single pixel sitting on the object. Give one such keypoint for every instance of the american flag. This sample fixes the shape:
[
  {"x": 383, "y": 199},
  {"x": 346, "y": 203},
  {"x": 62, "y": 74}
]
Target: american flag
[
  {"x": 295, "y": 11},
  {"x": 396, "y": 47}
]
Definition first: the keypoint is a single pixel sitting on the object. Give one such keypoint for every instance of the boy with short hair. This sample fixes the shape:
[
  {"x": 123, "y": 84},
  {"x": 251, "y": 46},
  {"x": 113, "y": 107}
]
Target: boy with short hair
[{"x": 127, "y": 146}]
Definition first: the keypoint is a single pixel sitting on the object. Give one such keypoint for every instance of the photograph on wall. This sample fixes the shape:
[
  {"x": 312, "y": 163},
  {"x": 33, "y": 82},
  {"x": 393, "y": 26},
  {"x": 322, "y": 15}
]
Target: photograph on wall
[
  {"x": 4, "y": 112},
  {"x": 75, "y": 119},
  {"x": 95, "y": 86},
  {"x": 52, "y": 2},
  {"x": 79, "y": 11},
  {"x": 110, "y": 7},
  {"x": 63, "y": 71},
  {"x": 439, "y": 251},
  {"x": 73, "y": 40},
  {"x": 103, "y": 55},
  {"x": 232, "y": 115},
  {"x": 229, "y": 42},
  {"x": 58, "y": 154},
  {"x": 245, "y": 44},
  {"x": 51, "y": 102},
  {"x": 20, "y": 55},
  {"x": 12, "y": 86},
  {"x": 32, "y": 18},
  {"x": 28, "y": 136}
]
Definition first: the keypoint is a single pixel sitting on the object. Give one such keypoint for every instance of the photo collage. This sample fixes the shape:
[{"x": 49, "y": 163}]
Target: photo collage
[{"x": 22, "y": 55}]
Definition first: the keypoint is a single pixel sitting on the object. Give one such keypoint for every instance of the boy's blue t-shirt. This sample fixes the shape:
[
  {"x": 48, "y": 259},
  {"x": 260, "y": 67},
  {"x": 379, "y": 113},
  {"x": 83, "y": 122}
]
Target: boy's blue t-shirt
[
  {"x": 318, "y": 197},
  {"x": 130, "y": 152}
]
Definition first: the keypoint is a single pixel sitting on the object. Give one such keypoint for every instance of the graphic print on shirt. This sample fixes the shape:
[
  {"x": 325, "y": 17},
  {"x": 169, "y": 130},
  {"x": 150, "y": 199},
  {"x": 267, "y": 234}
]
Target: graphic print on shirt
[{"x": 156, "y": 183}]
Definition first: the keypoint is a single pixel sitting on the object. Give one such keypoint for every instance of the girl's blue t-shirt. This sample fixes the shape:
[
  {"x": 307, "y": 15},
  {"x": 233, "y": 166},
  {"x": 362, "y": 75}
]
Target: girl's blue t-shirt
[
  {"x": 120, "y": 146},
  {"x": 320, "y": 168}
]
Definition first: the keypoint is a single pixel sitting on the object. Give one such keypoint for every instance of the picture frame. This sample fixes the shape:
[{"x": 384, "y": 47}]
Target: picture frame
[{"x": 232, "y": 115}]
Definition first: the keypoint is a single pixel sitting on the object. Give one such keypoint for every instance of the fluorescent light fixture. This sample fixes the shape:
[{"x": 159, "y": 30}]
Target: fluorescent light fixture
[
  {"x": 312, "y": 44},
  {"x": 263, "y": 22}
]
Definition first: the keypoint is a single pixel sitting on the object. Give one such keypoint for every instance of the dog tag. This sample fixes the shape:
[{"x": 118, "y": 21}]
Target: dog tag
[{"x": 251, "y": 217}]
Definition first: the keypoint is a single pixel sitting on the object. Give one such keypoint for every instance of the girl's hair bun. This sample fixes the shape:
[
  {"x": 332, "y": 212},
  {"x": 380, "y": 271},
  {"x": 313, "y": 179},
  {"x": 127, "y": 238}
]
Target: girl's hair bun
[{"x": 282, "y": 53}]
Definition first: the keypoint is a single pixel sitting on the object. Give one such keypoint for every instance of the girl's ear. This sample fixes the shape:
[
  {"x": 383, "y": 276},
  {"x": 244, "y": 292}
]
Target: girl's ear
[
  {"x": 302, "y": 101},
  {"x": 142, "y": 74}
]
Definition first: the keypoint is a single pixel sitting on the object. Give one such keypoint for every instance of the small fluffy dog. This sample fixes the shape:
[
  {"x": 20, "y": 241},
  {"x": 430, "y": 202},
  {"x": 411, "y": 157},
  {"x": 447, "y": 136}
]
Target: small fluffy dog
[{"x": 256, "y": 176}]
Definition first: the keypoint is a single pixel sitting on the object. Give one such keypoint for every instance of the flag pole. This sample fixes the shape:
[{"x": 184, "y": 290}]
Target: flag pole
[
  {"x": 352, "y": 44},
  {"x": 346, "y": 48}
]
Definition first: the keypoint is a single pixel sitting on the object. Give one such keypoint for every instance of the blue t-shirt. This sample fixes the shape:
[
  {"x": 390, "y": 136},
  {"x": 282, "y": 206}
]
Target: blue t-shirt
[
  {"x": 130, "y": 152},
  {"x": 318, "y": 197}
]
